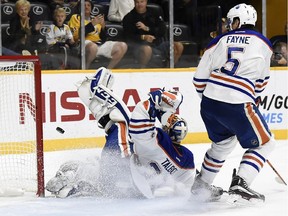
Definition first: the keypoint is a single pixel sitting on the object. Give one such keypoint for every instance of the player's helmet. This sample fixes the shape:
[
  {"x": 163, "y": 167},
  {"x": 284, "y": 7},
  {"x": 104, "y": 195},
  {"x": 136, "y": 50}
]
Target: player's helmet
[
  {"x": 178, "y": 130},
  {"x": 246, "y": 14}
]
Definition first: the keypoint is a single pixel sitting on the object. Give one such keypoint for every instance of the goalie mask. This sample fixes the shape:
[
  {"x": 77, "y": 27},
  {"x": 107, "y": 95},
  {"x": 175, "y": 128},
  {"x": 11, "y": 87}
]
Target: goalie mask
[
  {"x": 178, "y": 129},
  {"x": 246, "y": 14}
]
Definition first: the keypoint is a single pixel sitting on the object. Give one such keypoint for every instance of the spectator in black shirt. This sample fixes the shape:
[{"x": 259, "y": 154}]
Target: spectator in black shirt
[{"x": 145, "y": 33}]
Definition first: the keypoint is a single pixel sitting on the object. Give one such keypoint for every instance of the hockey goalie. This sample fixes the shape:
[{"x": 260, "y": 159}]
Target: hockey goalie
[{"x": 120, "y": 172}]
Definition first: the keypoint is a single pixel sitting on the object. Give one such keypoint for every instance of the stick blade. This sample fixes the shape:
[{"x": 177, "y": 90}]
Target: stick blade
[{"x": 279, "y": 180}]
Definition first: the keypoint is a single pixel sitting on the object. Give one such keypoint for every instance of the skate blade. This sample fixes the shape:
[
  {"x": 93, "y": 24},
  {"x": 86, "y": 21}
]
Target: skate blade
[
  {"x": 238, "y": 200},
  {"x": 203, "y": 197}
]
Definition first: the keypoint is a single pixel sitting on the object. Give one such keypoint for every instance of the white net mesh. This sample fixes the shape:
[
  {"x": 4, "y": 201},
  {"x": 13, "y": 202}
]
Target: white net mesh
[{"x": 18, "y": 158}]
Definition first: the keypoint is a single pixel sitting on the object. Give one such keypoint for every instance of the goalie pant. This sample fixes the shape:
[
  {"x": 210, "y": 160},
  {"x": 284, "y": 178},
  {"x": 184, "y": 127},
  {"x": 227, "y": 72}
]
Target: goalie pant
[
  {"x": 114, "y": 174},
  {"x": 155, "y": 148}
]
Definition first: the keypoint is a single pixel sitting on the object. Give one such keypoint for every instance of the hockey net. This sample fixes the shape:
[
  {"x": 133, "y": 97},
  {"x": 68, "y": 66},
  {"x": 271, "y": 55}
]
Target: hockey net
[{"x": 21, "y": 133}]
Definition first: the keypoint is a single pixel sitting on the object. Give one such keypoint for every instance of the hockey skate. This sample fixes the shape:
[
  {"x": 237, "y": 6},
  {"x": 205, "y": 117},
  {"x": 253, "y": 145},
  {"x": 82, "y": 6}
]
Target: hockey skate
[
  {"x": 240, "y": 192},
  {"x": 204, "y": 192}
]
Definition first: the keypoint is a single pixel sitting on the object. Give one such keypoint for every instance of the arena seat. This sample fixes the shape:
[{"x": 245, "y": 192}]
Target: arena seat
[
  {"x": 40, "y": 11},
  {"x": 7, "y": 12},
  {"x": 156, "y": 9},
  {"x": 5, "y": 32},
  {"x": 99, "y": 9},
  {"x": 69, "y": 10},
  {"x": 44, "y": 27},
  {"x": 105, "y": 8},
  {"x": 115, "y": 32},
  {"x": 182, "y": 33}
]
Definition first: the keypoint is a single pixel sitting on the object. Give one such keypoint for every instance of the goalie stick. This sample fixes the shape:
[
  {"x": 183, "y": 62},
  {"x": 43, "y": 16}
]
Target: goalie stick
[{"x": 139, "y": 180}]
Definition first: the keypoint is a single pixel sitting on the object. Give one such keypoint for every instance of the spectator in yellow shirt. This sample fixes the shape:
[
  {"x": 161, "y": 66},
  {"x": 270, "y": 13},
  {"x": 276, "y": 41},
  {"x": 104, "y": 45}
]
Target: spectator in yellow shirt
[{"x": 95, "y": 38}]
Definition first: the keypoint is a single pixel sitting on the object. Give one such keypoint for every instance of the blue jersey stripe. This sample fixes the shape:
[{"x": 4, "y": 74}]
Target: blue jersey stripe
[{"x": 241, "y": 32}]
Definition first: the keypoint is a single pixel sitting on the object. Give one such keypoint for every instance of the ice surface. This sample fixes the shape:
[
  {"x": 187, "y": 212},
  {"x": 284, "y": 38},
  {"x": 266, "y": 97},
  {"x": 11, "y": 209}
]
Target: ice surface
[{"x": 267, "y": 183}]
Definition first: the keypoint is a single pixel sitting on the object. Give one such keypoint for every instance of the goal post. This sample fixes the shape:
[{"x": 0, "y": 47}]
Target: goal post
[{"x": 21, "y": 126}]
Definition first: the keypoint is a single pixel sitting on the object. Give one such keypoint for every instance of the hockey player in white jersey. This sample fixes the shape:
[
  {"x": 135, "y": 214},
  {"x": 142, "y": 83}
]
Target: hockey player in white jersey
[
  {"x": 158, "y": 149},
  {"x": 232, "y": 73}
]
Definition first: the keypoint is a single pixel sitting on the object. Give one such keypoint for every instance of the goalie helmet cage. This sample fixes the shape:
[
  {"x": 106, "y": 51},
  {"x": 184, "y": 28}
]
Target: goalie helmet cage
[{"x": 21, "y": 133}]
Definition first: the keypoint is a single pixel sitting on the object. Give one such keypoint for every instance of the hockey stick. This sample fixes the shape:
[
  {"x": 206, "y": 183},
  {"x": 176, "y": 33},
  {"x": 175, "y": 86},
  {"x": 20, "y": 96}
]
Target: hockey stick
[{"x": 276, "y": 172}]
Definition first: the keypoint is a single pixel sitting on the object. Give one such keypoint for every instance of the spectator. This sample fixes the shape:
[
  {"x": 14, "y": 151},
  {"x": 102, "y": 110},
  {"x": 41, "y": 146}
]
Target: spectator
[
  {"x": 99, "y": 1},
  {"x": 59, "y": 35},
  {"x": 145, "y": 33},
  {"x": 60, "y": 3},
  {"x": 95, "y": 36},
  {"x": 214, "y": 34},
  {"x": 25, "y": 33},
  {"x": 223, "y": 30},
  {"x": 280, "y": 38},
  {"x": 280, "y": 53},
  {"x": 118, "y": 9}
]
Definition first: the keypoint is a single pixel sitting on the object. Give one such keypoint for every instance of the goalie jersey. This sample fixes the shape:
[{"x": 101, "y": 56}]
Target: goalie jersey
[
  {"x": 235, "y": 77},
  {"x": 156, "y": 150}
]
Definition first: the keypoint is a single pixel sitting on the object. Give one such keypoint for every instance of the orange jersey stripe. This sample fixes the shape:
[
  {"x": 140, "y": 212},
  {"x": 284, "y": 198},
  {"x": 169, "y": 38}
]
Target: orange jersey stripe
[
  {"x": 200, "y": 86},
  {"x": 124, "y": 141},
  {"x": 170, "y": 95},
  {"x": 261, "y": 85},
  {"x": 258, "y": 124},
  {"x": 233, "y": 81},
  {"x": 141, "y": 126}
]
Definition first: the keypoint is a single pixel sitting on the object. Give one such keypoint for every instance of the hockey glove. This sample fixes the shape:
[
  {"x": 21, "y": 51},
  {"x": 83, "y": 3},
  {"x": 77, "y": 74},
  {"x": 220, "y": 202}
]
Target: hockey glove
[
  {"x": 171, "y": 100},
  {"x": 156, "y": 98}
]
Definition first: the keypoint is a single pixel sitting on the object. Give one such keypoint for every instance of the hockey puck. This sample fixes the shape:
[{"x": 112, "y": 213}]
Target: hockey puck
[{"x": 60, "y": 130}]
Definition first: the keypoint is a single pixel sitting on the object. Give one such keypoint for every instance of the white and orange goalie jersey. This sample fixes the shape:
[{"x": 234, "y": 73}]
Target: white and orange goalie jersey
[{"x": 155, "y": 149}]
